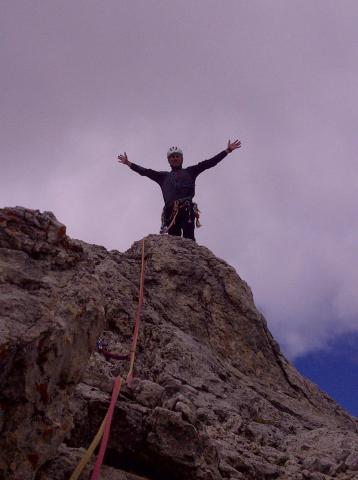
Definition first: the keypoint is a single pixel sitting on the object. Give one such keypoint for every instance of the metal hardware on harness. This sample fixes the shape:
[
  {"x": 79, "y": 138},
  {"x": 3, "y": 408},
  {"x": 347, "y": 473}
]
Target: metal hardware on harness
[{"x": 175, "y": 208}]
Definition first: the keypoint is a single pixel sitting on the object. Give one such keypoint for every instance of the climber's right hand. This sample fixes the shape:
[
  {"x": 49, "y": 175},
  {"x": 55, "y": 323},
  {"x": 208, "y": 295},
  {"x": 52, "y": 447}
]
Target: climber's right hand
[{"x": 124, "y": 159}]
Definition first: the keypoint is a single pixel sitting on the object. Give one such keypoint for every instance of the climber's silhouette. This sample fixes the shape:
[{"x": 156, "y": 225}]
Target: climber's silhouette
[{"x": 178, "y": 188}]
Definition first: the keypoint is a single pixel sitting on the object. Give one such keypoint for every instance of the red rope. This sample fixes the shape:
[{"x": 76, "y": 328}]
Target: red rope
[{"x": 107, "y": 428}]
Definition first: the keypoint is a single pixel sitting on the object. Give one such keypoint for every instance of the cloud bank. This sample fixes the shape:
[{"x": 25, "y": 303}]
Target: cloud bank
[{"x": 83, "y": 81}]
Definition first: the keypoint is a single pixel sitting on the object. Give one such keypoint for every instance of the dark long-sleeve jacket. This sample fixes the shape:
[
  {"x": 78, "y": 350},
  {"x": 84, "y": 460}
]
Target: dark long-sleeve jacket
[{"x": 178, "y": 183}]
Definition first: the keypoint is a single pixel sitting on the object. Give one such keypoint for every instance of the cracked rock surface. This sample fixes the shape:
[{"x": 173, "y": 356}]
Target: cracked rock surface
[{"x": 212, "y": 397}]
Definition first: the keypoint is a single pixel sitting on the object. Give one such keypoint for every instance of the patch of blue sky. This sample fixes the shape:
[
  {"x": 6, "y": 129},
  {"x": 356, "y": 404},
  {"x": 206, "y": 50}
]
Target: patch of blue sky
[{"x": 335, "y": 370}]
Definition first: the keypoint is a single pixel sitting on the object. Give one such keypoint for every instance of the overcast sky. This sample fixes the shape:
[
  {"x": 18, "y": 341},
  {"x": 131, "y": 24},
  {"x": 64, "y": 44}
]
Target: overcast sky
[{"x": 84, "y": 80}]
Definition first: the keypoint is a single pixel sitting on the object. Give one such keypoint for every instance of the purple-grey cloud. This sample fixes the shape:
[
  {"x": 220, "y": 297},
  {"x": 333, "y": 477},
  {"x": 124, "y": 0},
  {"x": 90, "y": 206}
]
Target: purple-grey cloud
[{"x": 84, "y": 80}]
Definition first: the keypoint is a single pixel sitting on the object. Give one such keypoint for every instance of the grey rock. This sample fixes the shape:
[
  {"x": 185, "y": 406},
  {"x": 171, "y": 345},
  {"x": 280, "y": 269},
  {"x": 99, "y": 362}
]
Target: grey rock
[
  {"x": 212, "y": 396},
  {"x": 51, "y": 311},
  {"x": 351, "y": 461},
  {"x": 147, "y": 393},
  {"x": 318, "y": 464}
]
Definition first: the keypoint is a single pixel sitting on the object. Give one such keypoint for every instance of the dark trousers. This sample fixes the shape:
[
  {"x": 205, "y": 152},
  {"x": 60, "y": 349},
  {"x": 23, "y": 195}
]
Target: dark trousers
[{"x": 184, "y": 223}]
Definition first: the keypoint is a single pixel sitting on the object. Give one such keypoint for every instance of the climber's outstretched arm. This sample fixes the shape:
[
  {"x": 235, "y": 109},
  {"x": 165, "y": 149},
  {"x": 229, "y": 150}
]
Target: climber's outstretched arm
[
  {"x": 146, "y": 172},
  {"x": 211, "y": 162}
]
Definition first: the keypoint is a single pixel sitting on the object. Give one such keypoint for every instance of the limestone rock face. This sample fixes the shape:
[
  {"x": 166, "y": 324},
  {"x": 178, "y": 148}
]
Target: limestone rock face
[
  {"x": 212, "y": 397},
  {"x": 51, "y": 311}
]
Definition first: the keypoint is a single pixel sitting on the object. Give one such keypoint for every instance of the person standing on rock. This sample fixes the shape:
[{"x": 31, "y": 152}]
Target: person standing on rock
[{"x": 180, "y": 214}]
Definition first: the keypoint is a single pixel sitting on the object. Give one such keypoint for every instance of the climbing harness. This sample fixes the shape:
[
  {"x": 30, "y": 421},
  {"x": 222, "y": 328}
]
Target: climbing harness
[
  {"x": 104, "y": 429},
  {"x": 170, "y": 213}
]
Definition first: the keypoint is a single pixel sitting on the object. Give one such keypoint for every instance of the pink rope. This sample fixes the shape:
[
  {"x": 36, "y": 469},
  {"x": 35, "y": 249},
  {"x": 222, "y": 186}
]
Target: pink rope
[{"x": 136, "y": 323}]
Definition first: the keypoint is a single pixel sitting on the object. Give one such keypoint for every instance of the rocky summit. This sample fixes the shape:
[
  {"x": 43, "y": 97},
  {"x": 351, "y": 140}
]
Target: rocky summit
[{"x": 212, "y": 397}]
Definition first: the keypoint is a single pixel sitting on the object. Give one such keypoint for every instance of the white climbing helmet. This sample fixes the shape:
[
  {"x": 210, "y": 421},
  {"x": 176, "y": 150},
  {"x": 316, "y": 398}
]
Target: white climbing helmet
[{"x": 174, "y": 150}]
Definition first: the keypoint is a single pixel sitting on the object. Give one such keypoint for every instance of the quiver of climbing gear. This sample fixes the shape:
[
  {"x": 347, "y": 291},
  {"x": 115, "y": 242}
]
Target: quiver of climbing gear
[{"x": 170, "y": 213}]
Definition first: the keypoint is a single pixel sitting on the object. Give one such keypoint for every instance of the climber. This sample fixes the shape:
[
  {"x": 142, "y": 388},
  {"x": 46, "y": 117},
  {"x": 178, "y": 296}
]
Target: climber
[{"x": 180, "y": 213}]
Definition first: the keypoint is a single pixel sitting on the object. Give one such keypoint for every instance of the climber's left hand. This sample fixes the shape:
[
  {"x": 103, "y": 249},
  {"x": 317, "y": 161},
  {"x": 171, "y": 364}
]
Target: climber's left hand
[{"x": 233, "y": 145}]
